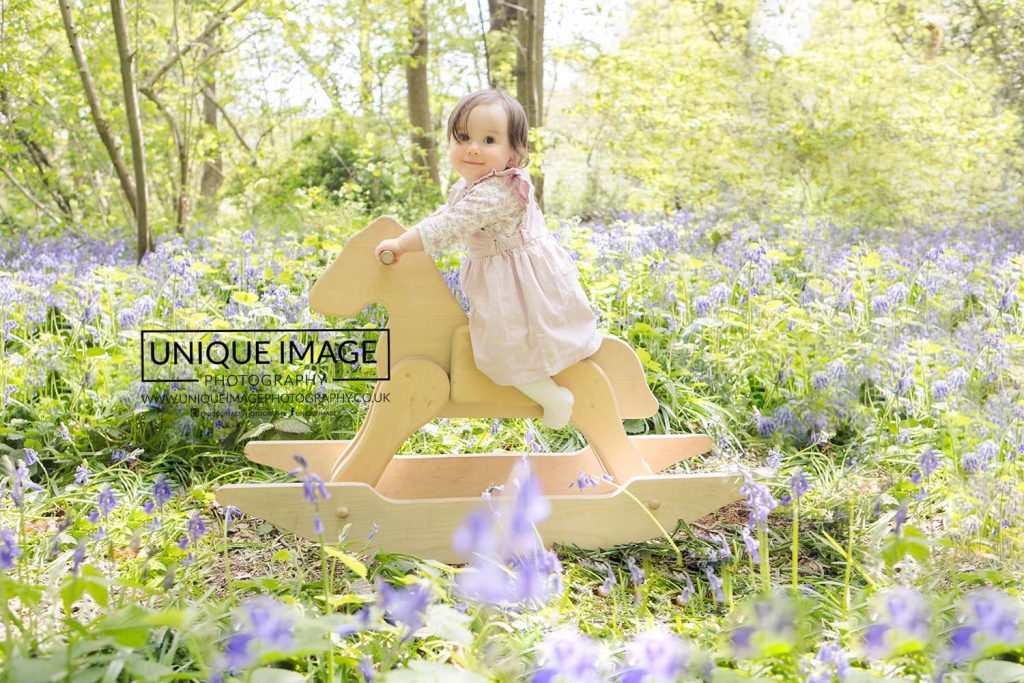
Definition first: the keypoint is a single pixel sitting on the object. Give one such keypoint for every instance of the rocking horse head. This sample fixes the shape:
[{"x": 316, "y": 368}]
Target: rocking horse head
[{"x": 413, "y": 289}]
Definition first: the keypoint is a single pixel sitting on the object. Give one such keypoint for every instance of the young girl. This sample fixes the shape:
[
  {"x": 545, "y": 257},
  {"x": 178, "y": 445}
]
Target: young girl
[{"x": 529, "y": 317}]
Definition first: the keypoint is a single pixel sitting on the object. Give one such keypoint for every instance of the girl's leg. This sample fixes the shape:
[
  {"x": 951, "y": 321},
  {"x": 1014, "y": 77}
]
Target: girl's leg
[{"x": 557, "y": 401}]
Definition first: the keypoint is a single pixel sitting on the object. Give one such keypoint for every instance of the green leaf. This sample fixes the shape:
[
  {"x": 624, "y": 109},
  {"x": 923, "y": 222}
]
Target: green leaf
[
  {"x": 425, "y": 671},
  {"x": 42, "y": 669},
  {"x": 256, "y": 431},
  {"x": 447, "y": 623},
  {"x": 145, "y": 669},
  {"x": 292, "y": 425},
  {"x": 352, "y": 563},
  {"x": 998, "y": 671},
  {"x": 128, "y": 626},
  {"x": 269, "y": 675}
]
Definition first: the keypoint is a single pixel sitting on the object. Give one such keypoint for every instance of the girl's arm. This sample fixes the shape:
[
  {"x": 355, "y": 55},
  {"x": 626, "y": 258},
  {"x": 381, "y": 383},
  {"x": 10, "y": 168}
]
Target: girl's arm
[{"x": 482, "y": 206}]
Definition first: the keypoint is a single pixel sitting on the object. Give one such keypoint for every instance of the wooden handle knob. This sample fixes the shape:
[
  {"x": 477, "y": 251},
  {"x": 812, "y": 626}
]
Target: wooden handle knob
[{"x": 387, "y": 257}]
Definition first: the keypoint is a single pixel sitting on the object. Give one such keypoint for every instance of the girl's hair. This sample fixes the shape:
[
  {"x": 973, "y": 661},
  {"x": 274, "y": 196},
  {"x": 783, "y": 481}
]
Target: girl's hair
[{"x": 518, "y": 127}]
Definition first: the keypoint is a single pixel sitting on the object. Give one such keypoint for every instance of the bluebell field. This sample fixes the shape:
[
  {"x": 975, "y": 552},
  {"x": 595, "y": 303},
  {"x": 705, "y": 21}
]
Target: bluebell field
[{"x": 867, "y": 386}]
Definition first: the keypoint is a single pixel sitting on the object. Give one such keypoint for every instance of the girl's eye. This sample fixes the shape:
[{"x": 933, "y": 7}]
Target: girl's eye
[
  {"x": 462, "y": 137},
  {"x": 489, "y": 139}
]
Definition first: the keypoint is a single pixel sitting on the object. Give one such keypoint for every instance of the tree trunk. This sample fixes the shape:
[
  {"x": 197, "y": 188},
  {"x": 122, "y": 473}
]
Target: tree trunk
[
  {"x": 102, "y": 126},
  {"x": 424, "y": 152},
  {"x": 530, "y": 74},
  {"x": 213, "y": 167},
  {"x": 131, "y": 101},
  {"x": 500, "y": 41}
]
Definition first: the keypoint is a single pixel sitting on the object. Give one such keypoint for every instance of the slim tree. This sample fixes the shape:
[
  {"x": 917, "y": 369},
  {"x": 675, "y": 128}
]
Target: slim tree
[{"x": 424, "y": 153}]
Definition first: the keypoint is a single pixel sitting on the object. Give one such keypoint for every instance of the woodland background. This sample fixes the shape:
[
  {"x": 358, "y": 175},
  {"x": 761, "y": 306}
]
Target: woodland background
[{"x": 147, "y": 118}]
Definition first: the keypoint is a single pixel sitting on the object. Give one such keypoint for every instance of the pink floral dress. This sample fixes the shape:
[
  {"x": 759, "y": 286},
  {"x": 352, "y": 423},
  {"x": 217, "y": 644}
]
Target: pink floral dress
[{"x": 529, "y": 317}]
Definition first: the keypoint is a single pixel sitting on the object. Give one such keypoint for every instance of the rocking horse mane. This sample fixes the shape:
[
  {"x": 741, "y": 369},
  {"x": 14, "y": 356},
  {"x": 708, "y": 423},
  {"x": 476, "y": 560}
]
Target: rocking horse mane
[{"x": 412, "y": 290}]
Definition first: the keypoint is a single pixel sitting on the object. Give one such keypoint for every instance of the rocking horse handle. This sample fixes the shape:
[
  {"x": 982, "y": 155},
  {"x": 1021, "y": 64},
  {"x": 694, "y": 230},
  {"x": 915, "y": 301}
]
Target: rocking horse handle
[{"x": 387, "y": 257}]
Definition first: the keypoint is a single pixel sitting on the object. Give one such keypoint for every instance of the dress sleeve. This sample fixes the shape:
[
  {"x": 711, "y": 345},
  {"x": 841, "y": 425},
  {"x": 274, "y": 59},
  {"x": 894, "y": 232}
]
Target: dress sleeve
[{"x": 480, "y": 207}]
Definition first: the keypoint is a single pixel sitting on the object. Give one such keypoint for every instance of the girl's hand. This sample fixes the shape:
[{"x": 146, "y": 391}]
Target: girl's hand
[{"x": 394, "y": 246}]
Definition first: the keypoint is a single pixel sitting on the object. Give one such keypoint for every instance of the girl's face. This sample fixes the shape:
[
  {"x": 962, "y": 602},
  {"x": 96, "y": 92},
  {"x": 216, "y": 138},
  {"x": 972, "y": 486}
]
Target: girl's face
[{"x": 484, "y": 145}]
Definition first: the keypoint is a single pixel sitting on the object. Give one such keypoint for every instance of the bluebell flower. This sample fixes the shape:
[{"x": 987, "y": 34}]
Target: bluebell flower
[
  {"x": 636, "y": 572},
  {"x": 31, "y": 457},
  {"x": 820, "y": 380},
  {"x": 162, "y": 491},
  {"x": 568, "y": 655},
  {"x": 686, "y": 593},
  {"x": 901, "y": 619},
  {"x": 656, "y": 655},
  {"x": 702, "y": 306},
  {"x": 940, "y": 390},
  {"x": 928, "y": 463},
  {"x": 766, "y": 626},
  {"x": 9, "y": 550},
  {"x": 196, "y": 527},
  {"x": 20, "y": 480},
  {"x": 610, "y": 582},
  {"x": 990, "y": 623},
  {"x": 107, "y": 501},
  {"x": 715, "y": 583},
  {"x": 957, "y": 377},
  {"x": 765, "y": 424},
  {"x": 312, "y": 484},
  {"x": 750, "y": 543},
  {"x": 82, "y": 474},
  {"x": 798, "y": 483},
  {"x": 405, "y": 606},
  {"x": 759, "y": 499}
]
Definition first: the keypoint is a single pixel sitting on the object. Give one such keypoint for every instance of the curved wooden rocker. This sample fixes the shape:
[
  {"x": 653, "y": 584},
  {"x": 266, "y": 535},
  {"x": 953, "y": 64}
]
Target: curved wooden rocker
[{"x": 412, "y": 504}]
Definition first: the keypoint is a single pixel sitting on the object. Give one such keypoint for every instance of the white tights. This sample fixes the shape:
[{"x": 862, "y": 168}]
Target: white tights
[{"x": 557, "y": 401}]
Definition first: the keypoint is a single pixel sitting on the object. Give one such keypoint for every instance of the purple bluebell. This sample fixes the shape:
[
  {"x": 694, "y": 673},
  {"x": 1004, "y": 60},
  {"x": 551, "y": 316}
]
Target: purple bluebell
[
  {"x": 656, "y": 655},
  {"x": 726, "y": 552},
  {"x": 20, "y": 480},
  {"x": 636, "y": 572},
  {"x": 879, "y": 305},
  {"x": 312, "y": 484},
  {"x": 31, "y": 457},
  {"x": 798, "y": 483},
  {"x": 585, "y": 481},
  {"x": 78, "y": 557},
  {"x": 765, "y": 424},
  {"x": 901, "y": 616},
  {"x": 990, "y": 622},
  {"x": 196, "y": 527},
  {"x": 758, "y": 498},
  {"x": 820, "y": 380},
  {"x": 768, "y": 625},
  {"x": 568, "y": 655},
  {"x": 904, "y": 384},
  {"x": 82, "y": 474},
  {"x": 715, "y": 583},
  {"x": 162, "y": 493},
  {"x": 406, "y": 606},
  {"x": 957, "y": 377},
  {"x": 940, "y": 390},
  {"x": 610, "y": 581},
  {"x": 702, "y": 306},
  {"x": 107, "y": 501},
  {"x": 751, "y": 544},
  {"x": 9, "y": 550},
  {"x": 686, "y": 592},
  {"x": 774, "y": 458},
  {"x": 928, "y": 462},
  {"x": 495, "y": 426}
]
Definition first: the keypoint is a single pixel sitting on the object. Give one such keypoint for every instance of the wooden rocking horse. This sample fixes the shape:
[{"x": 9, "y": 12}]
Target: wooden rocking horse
[{"x": 413, "y": 503}]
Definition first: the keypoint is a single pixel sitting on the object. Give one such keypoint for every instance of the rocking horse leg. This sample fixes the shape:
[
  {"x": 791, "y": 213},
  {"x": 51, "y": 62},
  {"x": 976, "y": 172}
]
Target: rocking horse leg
[
  {"x": 419, "y": 390},
  {"x": 596, "y": 415}
]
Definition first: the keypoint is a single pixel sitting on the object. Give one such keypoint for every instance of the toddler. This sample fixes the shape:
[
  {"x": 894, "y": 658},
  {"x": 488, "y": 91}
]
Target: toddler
[{"x": 529, "y": 318}]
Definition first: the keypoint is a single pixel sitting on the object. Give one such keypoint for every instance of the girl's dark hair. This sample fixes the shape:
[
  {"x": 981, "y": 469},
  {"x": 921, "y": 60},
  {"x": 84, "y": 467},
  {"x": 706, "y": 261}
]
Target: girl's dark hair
[{"x": 518, "y": 127}]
